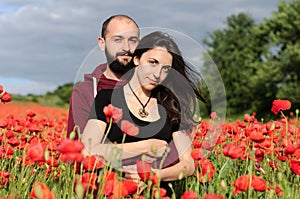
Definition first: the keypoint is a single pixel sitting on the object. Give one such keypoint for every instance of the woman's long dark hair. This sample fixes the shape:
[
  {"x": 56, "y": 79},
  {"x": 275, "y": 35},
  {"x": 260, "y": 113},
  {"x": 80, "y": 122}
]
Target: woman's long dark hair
[{"x": 179, "y": 102}]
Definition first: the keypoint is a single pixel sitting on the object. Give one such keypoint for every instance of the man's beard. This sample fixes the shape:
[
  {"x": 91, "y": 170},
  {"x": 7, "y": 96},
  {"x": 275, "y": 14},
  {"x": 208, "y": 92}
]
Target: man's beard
[{"x": 116, "y": 66}]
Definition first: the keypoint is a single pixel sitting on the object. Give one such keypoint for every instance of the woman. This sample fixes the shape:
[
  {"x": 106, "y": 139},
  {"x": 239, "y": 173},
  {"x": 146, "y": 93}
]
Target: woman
[{"x": 157, "y": 100}]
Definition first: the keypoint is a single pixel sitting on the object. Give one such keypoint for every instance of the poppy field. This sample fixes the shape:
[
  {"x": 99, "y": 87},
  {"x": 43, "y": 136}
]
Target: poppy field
[{"x": 247, "y": 159}]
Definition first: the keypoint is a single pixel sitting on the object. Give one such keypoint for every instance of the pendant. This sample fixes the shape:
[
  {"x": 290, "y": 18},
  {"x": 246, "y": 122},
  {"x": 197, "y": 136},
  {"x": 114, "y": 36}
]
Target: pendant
[{"x": 143, "y": 113}]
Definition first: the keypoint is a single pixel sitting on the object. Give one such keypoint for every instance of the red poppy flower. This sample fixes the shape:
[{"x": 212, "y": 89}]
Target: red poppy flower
[
  {"x": 189, "y": 195},
  {"x": 290, "y": 149},
  {"x": 92, "y": 162},
  {"x": 213, "y": 116},
  {"x": 36, "y": 152},
  {"x": 213, "y": 196},
  {"x": 248, "y": 118},
  {"x": 280, "y": 105},
  {"x": 88, "y": 180},
  {"x": 113, "y": 112},
  {"x": 108, "y": 178},
  {"x": 144, "y": 171},
  {"x": 258, "y": 183},
  {"x": 259, "y": 155},
  {"x": 295, "y": 166},
  {"x": 129, "y": 128},
  {"x": 71, "y": 157},
  {"x": 4, "y": 176},
  {"x": 206, "y": 170},
  {"x": 278, "y": 191},
  {"x": 5, "y": 97},
  {"x": 130, "y": 185},
  {"x": 1, "y": 89},
  {"x": 3, "y": 124},
  {"x": 233, "y": 151},
  {"x": 40, "y": 190},
  {"x": 70, "y": 146},
  {"x": 241, "y": 184},
  {"x": 30, "y": 113},
  {"x": 197, "y": 154}
]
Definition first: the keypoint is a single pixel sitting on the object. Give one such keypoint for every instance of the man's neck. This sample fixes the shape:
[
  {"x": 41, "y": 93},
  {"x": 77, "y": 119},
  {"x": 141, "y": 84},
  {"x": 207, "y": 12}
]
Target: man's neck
[{"x": 109, "y": 74}]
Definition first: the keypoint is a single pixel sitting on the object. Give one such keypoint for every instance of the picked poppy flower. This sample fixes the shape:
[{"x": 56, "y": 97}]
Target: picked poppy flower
[
  {"x": 129, "y": 128},
  {"x": 280, "y": 105},
  {"x": 189, "y": 195},
  {"x": 295, "y": 166},
  {"x": 213, "y": 116},
  {"x": 145, "y": 172},
  {"x": 113, "y": 112},
  {"x": 40, "y": 190}
]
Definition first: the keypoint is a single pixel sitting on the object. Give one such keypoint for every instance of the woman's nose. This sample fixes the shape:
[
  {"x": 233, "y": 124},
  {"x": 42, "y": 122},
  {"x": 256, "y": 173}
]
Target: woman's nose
[{"x": 157, "y": 72}]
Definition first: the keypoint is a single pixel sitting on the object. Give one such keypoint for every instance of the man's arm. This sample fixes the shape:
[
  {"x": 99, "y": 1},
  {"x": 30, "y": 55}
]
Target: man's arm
[{"x": 80, "y": 105}]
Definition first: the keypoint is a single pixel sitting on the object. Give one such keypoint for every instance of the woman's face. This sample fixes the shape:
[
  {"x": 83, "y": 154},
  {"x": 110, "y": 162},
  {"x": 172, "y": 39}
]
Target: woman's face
[{"x": 153, "y": 67}]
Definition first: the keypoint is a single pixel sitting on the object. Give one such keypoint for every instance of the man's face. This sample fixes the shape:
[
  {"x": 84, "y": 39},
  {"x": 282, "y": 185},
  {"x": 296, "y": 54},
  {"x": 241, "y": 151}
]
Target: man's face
[{"x": 121, "y": 39}]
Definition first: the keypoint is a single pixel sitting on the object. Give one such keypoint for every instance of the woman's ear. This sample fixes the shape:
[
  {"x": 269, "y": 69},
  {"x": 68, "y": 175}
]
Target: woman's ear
[
  {"x": 136, "y": 61},
  {"x": 101, "y": 43}
]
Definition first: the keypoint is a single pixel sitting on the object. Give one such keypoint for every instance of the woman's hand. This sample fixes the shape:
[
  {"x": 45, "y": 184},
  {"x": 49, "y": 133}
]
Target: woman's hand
[{"x": 155, "y": 147}]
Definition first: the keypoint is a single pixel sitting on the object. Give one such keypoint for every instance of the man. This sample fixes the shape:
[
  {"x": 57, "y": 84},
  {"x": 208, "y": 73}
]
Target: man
[{"x": 119, "y": 38}]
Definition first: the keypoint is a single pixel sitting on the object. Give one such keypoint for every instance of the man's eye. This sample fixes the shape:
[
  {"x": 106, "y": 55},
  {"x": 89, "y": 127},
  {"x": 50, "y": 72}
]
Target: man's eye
[
  {"x": 117, "y": 40},
  {"x": 133, "y": 41}
]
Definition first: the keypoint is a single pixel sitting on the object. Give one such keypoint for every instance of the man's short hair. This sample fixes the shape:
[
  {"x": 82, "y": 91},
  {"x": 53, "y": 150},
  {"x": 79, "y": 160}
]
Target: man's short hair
[{"x": 107, "y": 21}]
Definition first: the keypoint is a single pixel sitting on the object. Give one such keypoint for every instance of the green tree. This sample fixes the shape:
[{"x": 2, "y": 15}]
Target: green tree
[
  {"x": 64, "y": 92},
  {"x": 279, "y": 73},
  {"x": 234, "y": 49}
]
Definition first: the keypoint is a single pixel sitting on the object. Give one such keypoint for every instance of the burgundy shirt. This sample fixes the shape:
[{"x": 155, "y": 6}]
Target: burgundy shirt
[{"x": 82, "y": 98}]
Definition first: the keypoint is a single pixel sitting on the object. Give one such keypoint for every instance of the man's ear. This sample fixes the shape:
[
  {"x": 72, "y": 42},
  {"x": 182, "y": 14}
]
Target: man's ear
[
  {"x": 101, "y": 43},
  {"x": 136, "y": 61}
]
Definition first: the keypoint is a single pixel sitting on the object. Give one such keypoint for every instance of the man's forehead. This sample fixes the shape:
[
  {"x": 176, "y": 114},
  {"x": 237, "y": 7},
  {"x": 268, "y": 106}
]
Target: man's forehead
[{"x": 122, "y": 27}]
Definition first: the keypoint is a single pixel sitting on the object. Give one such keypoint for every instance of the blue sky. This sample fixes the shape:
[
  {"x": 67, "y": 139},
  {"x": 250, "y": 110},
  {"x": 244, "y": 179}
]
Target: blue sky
[{"x": 44, "y": 42}]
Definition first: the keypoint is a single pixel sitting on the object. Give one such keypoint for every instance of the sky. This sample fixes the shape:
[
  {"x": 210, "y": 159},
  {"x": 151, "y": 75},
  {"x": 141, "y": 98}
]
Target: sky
[{"x": 44, "y": 43}]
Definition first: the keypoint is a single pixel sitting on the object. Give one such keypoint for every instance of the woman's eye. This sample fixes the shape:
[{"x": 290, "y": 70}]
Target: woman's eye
[
  {"x": 166, "y": 68},
  {"x": 152, "y": 62}
]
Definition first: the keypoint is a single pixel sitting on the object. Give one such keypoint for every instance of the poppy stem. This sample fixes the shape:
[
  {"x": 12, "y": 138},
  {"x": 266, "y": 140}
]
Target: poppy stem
[{"x": 108, "y": 129}]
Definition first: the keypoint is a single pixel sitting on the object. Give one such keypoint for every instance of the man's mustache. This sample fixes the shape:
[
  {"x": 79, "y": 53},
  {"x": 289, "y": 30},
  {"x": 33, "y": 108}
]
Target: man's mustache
[{"x": 128, "y": 53}]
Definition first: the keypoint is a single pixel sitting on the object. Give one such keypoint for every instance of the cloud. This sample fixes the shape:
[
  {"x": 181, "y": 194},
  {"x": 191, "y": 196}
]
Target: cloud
[{"x": 46, "y": 41}]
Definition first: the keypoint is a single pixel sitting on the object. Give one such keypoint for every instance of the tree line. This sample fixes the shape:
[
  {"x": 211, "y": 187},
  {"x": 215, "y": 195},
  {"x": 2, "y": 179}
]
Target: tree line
[{"x": 258, "y": 62}]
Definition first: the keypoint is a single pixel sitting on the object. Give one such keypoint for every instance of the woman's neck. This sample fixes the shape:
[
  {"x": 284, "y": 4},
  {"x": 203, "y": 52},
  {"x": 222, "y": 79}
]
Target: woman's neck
[{"x": 138, "y": 88}]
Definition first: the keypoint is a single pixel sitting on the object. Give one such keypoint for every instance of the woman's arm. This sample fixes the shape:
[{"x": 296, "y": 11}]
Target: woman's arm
[
  {"x": 94, "y": 133},
  {"x": 185, "y": 167}
]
